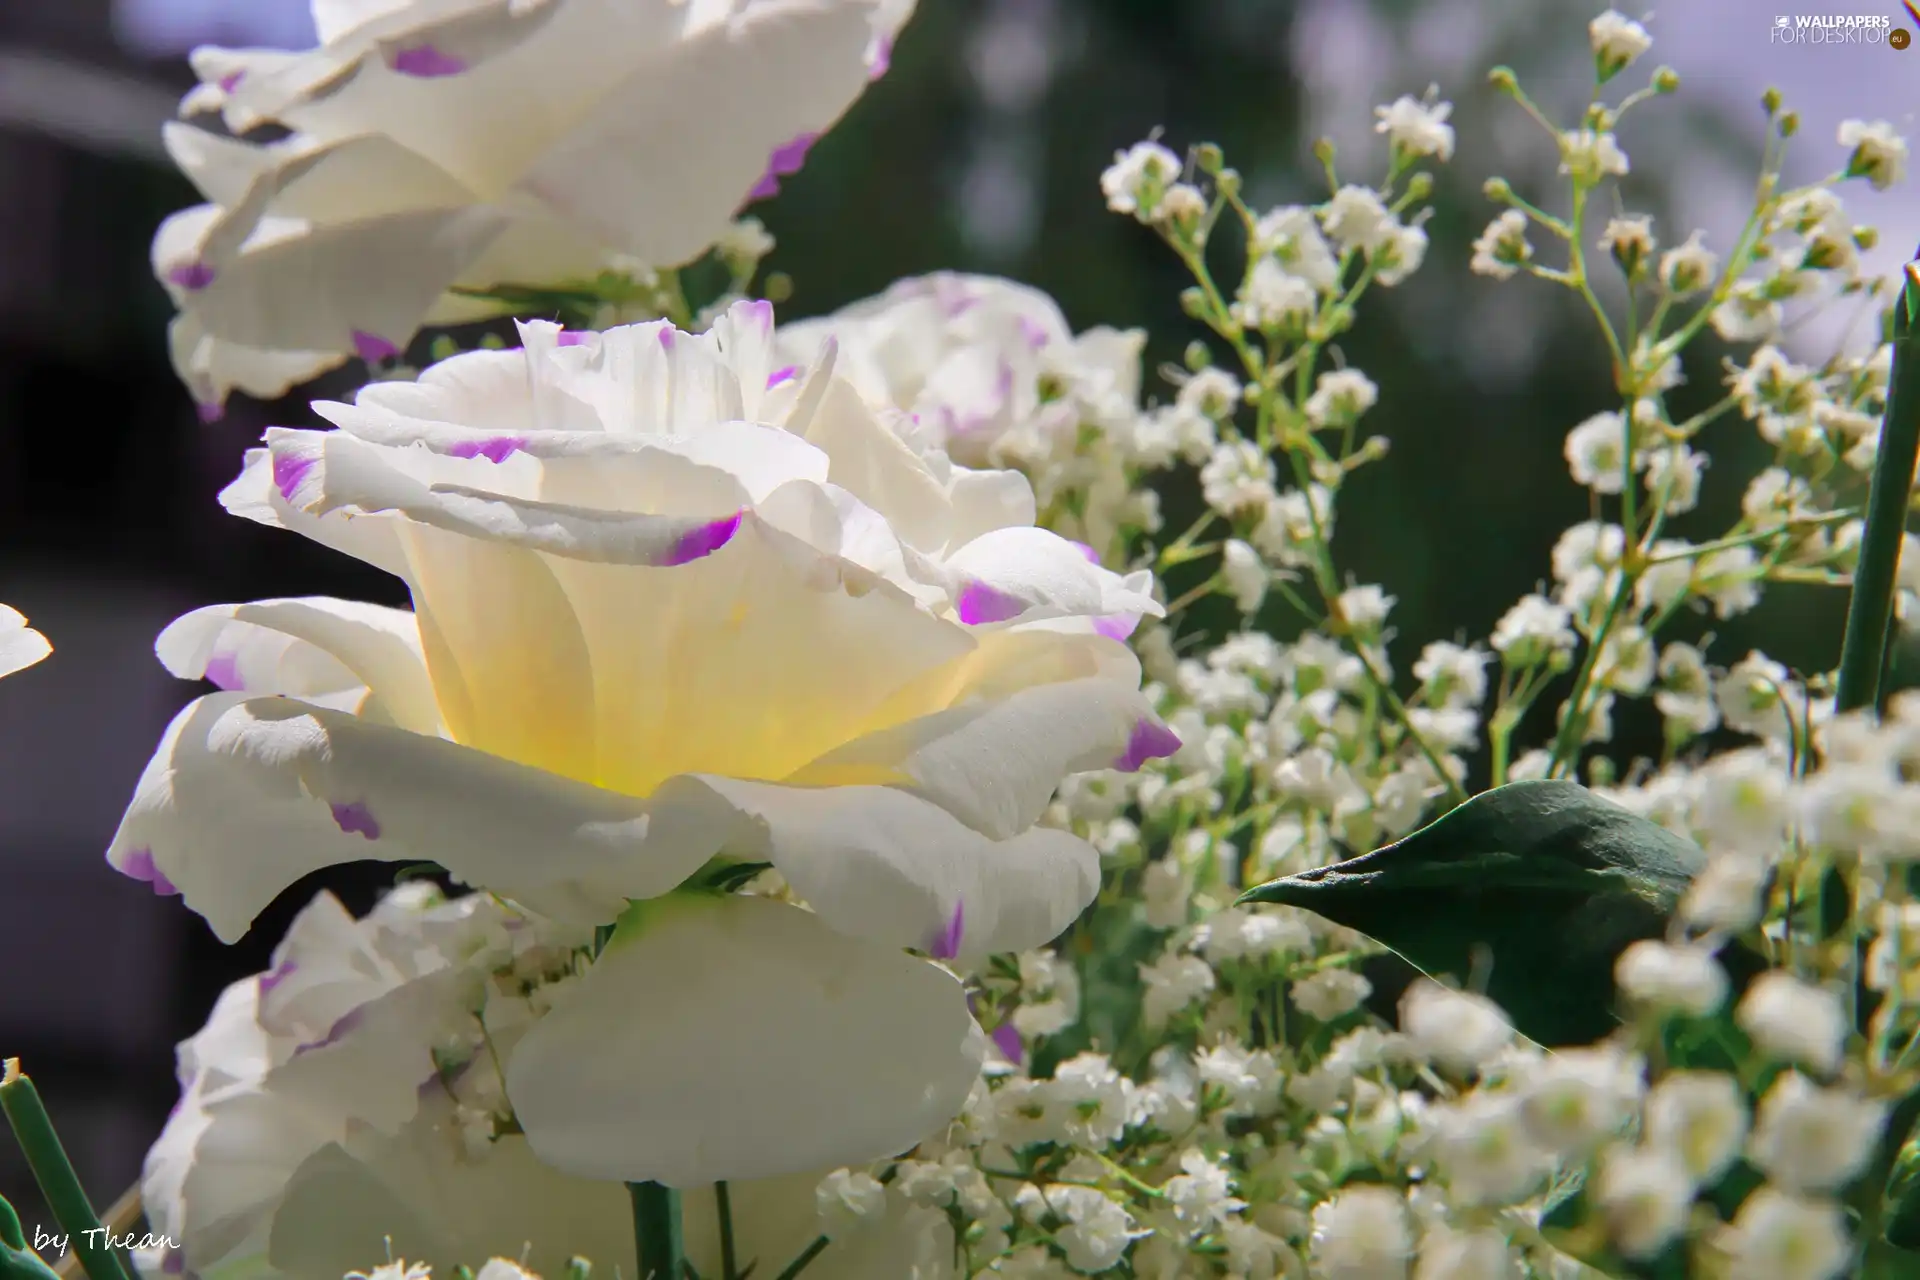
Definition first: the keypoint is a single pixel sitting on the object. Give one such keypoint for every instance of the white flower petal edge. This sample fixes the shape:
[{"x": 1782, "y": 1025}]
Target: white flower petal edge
[
  {"x": 20, "y": 645},
  {"x": 875, "y": 1049}
]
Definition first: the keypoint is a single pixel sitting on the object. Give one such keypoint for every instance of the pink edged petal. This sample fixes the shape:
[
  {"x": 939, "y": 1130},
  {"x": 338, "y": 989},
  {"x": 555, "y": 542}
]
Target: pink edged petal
[
  {"x": 721, "y": 1038},
  {"x": 806, "y": 64},
  {"x": 256, "y": 495},
  {"x": 1027, "y": 574},
  {"x": 881, "y": 864},
  {"x": 324, "y": 472},
  {"x": 246, "y": 795},
  {"x": 1150, "y": 740},
  {"x": 362, "y": 287}
]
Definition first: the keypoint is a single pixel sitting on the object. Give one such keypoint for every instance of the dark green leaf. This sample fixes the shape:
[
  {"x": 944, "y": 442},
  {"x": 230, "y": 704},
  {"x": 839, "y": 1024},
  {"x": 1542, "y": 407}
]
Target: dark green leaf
[{"x": 1541, "y": 885}]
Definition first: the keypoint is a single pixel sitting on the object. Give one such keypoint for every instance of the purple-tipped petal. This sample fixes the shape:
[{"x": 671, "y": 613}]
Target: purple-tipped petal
[
  {"x": 784, "y": 161},
  {"x": 209, "y": 413},
  {"x": 140, "y": 867},
  {"x": 979, "y": 603},
  {"x": 173, "y": 1262},
  {"x": 1117, "y": 626},
  {"x": 425, "y": 62},
  {"x": 288, "y": 472},
  {"x": 191, "y": 276},
  {"x": 785, "y": 373},
  {"x": 947, "y": 945},
  {"x": 760, "y": 314},
  {"x": 493, "y": 449},
  {"x": 1034, "y": 332},
  {"x": 1006, "y": 1038},
  {"x": 1150, "y": 740},
  {"x": 373, "y": 348},
  {"x": 224, "y": 671},
  {"x": 667, "y": 332},
  {"x": 277, "y": 975},
  {"x": 1092, "y": 556},
  {"x": 703, "y": 541},
  {"x": 575, "y": 337},
  {"x": 342, "y": 1027},
  {"x": 355, "y": 819},
  {"x": 882, "y": 61},
  {"x": 231, "y": 81}
]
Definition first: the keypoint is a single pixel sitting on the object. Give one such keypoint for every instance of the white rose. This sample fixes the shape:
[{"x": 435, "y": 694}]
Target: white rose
[
  {"x": 968, "y": 355},
  {"x": 652, "y": 635},
  {"x": 345, "y": 1099},
  {"x": 442, "y": 144}
]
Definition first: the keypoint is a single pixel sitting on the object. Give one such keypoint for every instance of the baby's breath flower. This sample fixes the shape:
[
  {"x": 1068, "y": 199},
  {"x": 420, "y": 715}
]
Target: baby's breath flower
[
  {"x": 1630, "y": 241},
  {"x": 1362, "y": 1233},
  {"x": 1458, "y": 1030},
  {"x": 1793, "y": 1022},
  {"x": 1646, "y": 1195},
  {"x": 1876, "y": 152},
  {"x": 1274, "y": 298},
  {"x": 1595, "y": 451},
  {"x": 1589, "y": 156},
  {"x": 1688, "y": 267},
  {"x": 1339, "y": 397},
  {"x": 1502, "y": 248},
  {"x": 1617, "y": 41},
  {"x": 1357, "y": 220},
  {"x": 1776, "y": 1236},
  {"x": 1532, "y": 632},
  {"x": 1699, "y": 1116},
  {"x": 1417, "y": 128},
  {"x": 1138, "y": 179},
  {"x": 1669, "y": 978},
  {"x": 1291, "y": 235},
  {"x": 1330, "y": 994},
  {"x": 1806, "y": 1138}
]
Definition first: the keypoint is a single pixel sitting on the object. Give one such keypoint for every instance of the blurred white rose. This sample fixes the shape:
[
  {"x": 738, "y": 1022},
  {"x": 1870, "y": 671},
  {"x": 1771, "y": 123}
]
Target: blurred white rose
[
  {"x": 441, "y": 144},
  {"x": 989, "y": 367}
]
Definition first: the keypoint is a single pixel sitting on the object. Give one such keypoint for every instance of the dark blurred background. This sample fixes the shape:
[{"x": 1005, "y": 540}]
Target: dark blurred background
[{"x": 980, "y": 151}]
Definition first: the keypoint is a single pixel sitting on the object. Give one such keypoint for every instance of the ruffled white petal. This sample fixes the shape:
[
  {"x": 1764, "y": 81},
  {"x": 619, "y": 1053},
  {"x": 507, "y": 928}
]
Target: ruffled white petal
[
  {"x": 729, "y": 1037},
  {"x": 1026, "y": 574},
  {"x": 307, "y": 647},
  {"x": 247, "y": 795},
  {"x": 880, "y": 864},
  {"x": 212, "y": 369}
]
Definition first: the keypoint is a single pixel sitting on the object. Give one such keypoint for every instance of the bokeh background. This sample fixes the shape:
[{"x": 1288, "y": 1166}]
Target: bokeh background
[{"x": 980, "y": 151}]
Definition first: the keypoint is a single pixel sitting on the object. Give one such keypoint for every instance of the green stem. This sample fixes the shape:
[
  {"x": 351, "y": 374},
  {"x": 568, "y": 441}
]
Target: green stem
[
  {"x": 723, "y": 1210},
  {"x": 807, "y": 1255},
  {"x": 1870, "y": 605},
  {"x": 59, "y": 1185},
  {"x": 656, "y": 1231}
]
